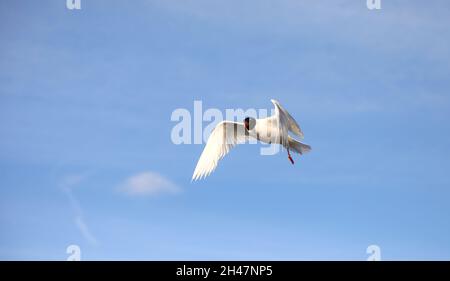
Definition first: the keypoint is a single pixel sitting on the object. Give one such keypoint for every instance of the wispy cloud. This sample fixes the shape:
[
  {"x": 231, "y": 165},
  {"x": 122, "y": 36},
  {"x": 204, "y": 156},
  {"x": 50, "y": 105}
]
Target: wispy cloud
[
  {"x": 68, "y": 184},
  {"x": 148, "y": 184},
  {"x": 85, "y": 231}
]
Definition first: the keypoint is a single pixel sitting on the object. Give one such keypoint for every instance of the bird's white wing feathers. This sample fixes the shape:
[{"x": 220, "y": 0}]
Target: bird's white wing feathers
[
  {"x": 281, "y": 124},
  {"x": 225, "y": 136},
  {"x": 288, "y": 119},
  {"x": 298, "y": 147}
]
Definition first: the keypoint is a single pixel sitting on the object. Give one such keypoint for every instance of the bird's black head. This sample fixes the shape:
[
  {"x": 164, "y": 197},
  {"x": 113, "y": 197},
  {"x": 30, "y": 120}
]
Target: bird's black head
[{"x": 249, "y": 123}]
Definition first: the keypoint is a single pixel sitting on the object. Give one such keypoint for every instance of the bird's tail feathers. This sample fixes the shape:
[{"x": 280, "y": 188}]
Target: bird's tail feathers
[{"x": 298, "y": 146}]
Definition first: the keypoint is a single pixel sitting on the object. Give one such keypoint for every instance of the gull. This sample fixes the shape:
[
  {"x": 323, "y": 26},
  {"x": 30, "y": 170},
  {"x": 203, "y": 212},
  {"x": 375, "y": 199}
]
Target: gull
[{"x": 270, "y": 130}]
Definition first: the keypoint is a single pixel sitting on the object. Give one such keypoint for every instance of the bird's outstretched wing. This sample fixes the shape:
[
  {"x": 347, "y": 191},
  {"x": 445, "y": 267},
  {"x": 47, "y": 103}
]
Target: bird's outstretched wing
[
  {"x": 225, "y": 136},
  {"x": 287, "y": 120}
]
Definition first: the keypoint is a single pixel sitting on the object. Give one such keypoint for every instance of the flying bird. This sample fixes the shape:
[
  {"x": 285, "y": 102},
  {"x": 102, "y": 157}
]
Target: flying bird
[{"x": 270, "y": 130}]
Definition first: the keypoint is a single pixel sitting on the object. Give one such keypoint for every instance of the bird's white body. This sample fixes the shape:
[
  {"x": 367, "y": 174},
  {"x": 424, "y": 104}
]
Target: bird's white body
[
  {"x": 266, "y": 130},
  {"x": 227, "y": 134}
]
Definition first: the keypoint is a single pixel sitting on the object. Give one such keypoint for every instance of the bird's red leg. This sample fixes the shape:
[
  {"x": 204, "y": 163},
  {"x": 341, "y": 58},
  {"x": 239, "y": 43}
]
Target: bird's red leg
[{"x": 289, "y": 157}]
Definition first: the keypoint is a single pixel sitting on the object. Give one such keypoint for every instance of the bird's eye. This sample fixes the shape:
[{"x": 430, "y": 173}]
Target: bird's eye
[{"x": 249, "y": 123}]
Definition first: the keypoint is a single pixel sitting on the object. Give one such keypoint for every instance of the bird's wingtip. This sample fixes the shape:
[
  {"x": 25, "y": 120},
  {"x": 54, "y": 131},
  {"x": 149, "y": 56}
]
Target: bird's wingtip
[{"x": 275, "y": 102}]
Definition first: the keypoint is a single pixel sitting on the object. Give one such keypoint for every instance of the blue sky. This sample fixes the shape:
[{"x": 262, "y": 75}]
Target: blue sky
[{"x": 85, "y": 103}]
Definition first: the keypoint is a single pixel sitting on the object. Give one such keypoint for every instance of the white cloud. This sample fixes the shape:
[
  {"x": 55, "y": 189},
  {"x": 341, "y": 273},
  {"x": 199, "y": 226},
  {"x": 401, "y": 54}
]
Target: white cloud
[
  {"x": 68, "y": 183},
  {"x": 147, "y": 184},
  {"x": 85, "y": 231}
]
